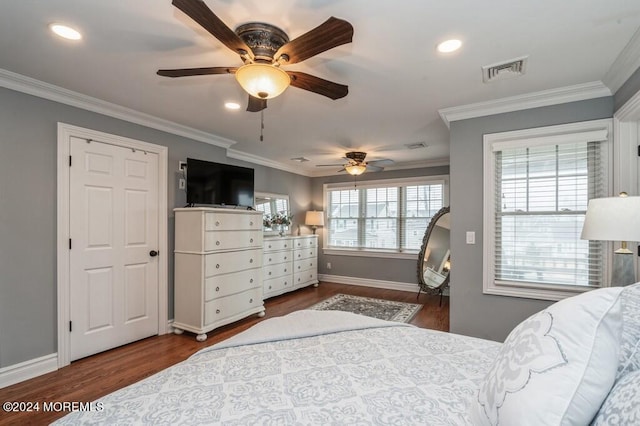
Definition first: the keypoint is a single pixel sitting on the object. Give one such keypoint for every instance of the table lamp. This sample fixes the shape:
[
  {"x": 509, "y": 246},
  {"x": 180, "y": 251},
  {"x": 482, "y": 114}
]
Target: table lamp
[
  {"x": 314, "y": 219},
  {"x": 615, "y": 219}
]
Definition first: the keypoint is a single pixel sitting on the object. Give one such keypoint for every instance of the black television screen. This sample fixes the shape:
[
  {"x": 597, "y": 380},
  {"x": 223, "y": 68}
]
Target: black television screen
[{"x": 218, "y": 184}]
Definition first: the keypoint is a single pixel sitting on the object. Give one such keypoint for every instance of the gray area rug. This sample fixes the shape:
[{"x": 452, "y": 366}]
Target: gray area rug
[{"x": 376, "y": 308}]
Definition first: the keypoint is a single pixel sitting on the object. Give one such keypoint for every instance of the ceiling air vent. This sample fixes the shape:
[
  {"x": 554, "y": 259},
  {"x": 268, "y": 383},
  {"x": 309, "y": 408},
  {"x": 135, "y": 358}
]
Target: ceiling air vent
[
  {"x": 415, "y": 145},
  {"x": 503, "y": 70}
]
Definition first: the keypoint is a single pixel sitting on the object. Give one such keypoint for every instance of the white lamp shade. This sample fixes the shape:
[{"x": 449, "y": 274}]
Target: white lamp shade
[
  {"x": 612, "y": 219},
  {"x": 314, "y": 218},
  {"x": 262, "y": 81}
]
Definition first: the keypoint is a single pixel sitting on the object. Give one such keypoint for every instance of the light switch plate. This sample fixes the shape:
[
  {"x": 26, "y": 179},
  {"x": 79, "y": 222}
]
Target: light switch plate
[{"x": 471, "y": 237}]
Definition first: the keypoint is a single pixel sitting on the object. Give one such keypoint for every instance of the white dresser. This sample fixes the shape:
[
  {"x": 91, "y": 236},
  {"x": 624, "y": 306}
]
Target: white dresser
[
  {"x": 218, "y": 268},
  {"x": 289, "y": 263}
]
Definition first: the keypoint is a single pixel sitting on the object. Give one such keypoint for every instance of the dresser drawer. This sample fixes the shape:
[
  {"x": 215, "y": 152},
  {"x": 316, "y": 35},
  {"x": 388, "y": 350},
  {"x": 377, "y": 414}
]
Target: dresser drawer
[
  {"x": 310, "y": 275},
  {"x": 232, "y": 221},
  {"x": 277, "y": 284},
  {"x": 305, "y": 253},
  {"x": 223, "y": 285},
  {"x": 305, "y": 242},
  {"x": 277, "y": 257},
  {"x": 304, "y": 264},
  {"x": 272, "y": 244},
  {"x": 224, "y": 307},
  {"x": 230, "y": 240},
  {"x": 235, "y": 261},
  {"x": 277, "y": 270}
]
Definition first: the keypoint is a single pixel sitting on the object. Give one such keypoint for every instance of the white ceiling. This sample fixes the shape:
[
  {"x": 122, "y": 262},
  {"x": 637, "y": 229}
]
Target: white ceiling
[{"x": 397, "y": 81}]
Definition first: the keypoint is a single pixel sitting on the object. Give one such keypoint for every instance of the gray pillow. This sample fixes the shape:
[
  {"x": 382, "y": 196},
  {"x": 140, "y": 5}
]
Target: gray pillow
[
  {"x": 630, "y": 341},
  {"x": 622, "y": 406}
]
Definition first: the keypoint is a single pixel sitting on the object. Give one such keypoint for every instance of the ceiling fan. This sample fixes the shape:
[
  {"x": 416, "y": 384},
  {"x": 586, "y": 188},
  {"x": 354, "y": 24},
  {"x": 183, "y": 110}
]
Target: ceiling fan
[
  {"x": 356, "y": 165},
  {"x": 263, "y": 48}
]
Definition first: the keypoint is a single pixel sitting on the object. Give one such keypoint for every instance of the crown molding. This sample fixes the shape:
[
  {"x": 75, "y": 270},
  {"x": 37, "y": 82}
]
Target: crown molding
[
  {"x": 31, "y": 86},
  {"x": 239, "y": 155},
  {"x": 578, "y": 92},
  {"x": 627, "y": 62}
]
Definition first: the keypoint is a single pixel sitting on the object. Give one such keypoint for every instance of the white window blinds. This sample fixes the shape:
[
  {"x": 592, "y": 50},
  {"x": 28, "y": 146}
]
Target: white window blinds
[
  {"x": 540, "y": 200},
  {"x": 381, "y": 216}
]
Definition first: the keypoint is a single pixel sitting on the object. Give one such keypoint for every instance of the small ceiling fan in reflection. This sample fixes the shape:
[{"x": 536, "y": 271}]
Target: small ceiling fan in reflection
[{"x": 356, "y": 165}]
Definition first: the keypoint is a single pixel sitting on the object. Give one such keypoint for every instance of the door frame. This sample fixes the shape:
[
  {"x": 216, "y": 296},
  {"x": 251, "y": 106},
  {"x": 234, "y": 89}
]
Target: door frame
[{"x": 65, "y": 132}]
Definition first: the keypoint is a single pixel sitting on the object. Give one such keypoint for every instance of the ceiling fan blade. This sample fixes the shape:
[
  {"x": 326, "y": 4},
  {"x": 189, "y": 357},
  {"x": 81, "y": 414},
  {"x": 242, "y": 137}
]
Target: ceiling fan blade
[
  {"x": 382, "y": 162},
  {"x": 331, "y": 33},
  {"x": 328, "y": 165},
  {"x": 371, "y": 168},
  {"x": 199, "y": 12},
  {"x": 318, "y": 85},
  {"x": 256, "y": 104},
  {"x": 186, "y": 72}
]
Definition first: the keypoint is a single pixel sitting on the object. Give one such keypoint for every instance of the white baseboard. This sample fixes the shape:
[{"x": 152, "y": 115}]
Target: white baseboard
[
  {"x": 28, "y": 370},
  {"x": 366, "y": 282}
]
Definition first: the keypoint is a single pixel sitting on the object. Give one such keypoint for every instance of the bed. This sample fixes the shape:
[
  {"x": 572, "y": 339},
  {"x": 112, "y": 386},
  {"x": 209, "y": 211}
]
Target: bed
[{"x": 329, "y": 367}]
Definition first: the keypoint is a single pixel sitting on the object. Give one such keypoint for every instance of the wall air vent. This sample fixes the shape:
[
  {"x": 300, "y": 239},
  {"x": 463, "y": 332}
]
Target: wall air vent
[{"x": 512, "y": 68}]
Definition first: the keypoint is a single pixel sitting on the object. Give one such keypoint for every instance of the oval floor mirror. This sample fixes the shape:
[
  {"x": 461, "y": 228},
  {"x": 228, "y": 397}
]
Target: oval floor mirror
[{"x": 434, "y": 262}]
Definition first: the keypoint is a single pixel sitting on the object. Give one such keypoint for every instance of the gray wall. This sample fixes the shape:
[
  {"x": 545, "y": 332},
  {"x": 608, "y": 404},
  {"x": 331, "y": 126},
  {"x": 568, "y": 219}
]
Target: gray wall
[
  {"x": 396, "y": 270},
  {"x": 28, "y": 144},
  {"x": 627, "y": 90},
  {"x": 472, "y": 312}
]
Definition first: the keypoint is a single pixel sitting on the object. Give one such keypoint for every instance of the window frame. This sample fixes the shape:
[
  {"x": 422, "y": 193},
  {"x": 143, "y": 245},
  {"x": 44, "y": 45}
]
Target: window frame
[
  {"x": 381, "y": 183},
  {"x": 528, "y": 138}
]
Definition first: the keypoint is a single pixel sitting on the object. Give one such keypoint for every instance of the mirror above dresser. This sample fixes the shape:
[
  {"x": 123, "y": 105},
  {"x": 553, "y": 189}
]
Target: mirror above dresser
[{"x": 274, "y": 207}]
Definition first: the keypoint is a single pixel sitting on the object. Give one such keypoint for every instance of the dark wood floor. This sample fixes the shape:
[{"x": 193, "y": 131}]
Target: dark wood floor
[{"x": 95, "y": 376}]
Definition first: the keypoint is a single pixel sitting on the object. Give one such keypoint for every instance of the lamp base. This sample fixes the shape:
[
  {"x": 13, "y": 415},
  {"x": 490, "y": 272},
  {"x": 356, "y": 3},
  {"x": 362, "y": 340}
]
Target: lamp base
[{"x": 623, "y": 271}]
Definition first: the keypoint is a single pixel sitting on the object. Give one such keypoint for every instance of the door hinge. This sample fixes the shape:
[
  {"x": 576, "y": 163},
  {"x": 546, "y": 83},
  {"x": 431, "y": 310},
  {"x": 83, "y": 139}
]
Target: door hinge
[
  {"x": 70, "y": 326},
  {"x": 69, "y": 243},
  {"x": 69, "y": 161}
]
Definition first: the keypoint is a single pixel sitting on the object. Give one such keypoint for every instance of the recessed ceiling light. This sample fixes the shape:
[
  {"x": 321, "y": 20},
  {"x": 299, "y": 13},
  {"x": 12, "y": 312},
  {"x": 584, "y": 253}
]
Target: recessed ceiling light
[
  {"x": 65, "y": 32},
  {"x": 232, "y": 105},
  {"x": 449, "y": 46}
]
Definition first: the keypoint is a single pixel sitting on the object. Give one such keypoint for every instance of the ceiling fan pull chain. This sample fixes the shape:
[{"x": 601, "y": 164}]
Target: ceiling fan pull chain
[{"x": 261, "y": 125}]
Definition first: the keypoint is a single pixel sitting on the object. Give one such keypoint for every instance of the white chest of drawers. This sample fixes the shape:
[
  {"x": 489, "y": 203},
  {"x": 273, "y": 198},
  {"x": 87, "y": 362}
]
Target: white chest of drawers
[
  {"x": 218, "y": 268},
  {"x": 289, "y": 263}
]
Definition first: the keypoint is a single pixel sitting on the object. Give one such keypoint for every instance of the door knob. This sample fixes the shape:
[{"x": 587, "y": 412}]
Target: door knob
[{"x": 153, "y": 253}]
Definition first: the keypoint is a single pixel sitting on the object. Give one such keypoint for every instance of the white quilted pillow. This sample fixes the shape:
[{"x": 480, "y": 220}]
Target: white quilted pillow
[{"x": 556, "y": 367}]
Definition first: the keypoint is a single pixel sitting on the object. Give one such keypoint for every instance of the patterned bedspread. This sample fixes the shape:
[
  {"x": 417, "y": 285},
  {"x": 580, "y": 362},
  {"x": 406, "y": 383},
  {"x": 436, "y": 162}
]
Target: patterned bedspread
[{"x": 311, "y": 367}]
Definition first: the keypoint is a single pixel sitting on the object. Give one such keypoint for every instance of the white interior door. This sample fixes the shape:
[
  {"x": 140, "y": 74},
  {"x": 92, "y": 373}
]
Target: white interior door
[{"x": 113, "y": 197}]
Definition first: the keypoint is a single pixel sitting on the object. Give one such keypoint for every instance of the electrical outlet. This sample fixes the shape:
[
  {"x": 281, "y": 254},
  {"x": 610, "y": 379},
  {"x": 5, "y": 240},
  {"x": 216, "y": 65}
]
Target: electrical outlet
[
  {"x": 181, "y": 183},
  {"x": 328, "y": 265}
]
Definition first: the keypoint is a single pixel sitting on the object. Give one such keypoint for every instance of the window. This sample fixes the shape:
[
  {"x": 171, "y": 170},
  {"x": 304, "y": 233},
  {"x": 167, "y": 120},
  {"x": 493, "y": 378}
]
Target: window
[
  {"x": 537, "y": 187},
  {"x": 383, "y": 216}
]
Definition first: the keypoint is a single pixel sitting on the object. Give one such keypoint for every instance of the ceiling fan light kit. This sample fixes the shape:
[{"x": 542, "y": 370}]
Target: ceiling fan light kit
[
  {"x": 262, "y": 81},
  {"x": 355, "y": 169}
]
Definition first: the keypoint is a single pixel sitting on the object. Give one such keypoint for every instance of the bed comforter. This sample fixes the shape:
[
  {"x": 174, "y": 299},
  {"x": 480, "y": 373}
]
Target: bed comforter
[{"x": 311, "y": 367}]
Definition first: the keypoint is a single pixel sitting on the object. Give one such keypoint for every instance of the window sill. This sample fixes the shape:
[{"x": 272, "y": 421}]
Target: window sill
[
  {"x": 411, "y": 255},
  {"x": 534, "y": 291}
]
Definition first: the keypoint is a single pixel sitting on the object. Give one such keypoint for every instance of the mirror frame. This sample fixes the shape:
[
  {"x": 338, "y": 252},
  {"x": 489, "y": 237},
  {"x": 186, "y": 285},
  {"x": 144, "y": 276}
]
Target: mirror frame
[
  {"x": 269, "y": 231},
  {"x": 425, "y": 241}
]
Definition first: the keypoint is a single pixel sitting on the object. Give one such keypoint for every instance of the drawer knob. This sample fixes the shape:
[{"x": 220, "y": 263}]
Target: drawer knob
[
  {"x": 250, "y": 260},
  {"x": 251, "y": 281},
  {"x": 269, "y": 272},
  {"x": 285, "y": 246},
  {"x": 217, "y": 311},
  {"x": 285, "y": 270},
  {"x": 251, "y": 223},
  {"x": 217, "y": 288},
  {"x": 269, "y": 245},
  {"x": 285, "y": 283},
  {"x": 217, "y": 243},
  {"x": 269, "y": 259},
  {"x": 251, "y": 240},
  {"x": 250, "y": 300},
  {"x": 217, "y": 266},
  {"x": 285, "y": 258},
  {"x": 269, "y": 287},
  {"x": 217, "y": 223}
]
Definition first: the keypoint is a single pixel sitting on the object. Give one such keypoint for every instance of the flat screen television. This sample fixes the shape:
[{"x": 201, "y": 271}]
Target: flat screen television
[{"x": 219, "y": 184}]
